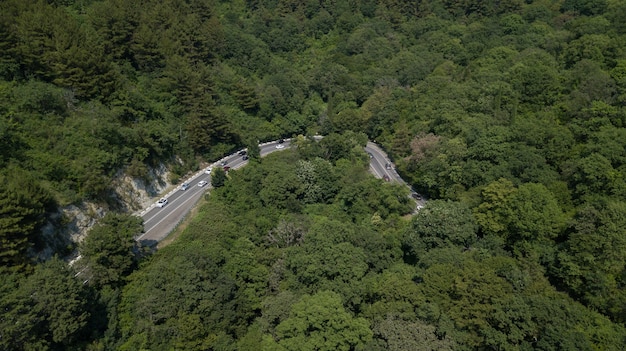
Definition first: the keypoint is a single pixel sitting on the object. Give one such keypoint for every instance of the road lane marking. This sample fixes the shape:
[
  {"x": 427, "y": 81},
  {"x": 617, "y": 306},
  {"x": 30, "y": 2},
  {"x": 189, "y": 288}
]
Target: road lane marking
[
  {"x": 174, "y": 202},
  {"x": 372, "y": 148},
  {"x": 164, "y": 218},
  {"x": 172, "y": 193},
  {"x": 375, "y": 171}
]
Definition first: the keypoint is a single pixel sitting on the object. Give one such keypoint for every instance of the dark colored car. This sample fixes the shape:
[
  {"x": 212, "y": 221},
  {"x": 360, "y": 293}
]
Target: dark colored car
[
  {"x": 388, "y": 165},
  {"x": 280, "y": 141},
  {"x": 226, "y": 168},
  {"x": 245, "y": 157},
  {"x": 242, "y": 152},
  {"x": 386, "y": 178}
]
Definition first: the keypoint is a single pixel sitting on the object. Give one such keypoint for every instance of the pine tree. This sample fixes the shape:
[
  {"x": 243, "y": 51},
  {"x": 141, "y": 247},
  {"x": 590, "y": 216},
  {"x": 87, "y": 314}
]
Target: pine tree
[{"x": 23, "y": 205}]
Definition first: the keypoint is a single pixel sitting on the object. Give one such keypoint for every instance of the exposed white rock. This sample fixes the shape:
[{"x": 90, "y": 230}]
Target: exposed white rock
[
  {"x": 71, "y": 224},
  {"x": 135, "y": 194}
]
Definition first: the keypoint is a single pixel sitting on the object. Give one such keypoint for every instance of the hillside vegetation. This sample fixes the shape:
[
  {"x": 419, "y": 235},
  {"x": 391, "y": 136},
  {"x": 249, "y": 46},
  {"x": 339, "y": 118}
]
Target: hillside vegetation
[{"x": 508, "y": 115}]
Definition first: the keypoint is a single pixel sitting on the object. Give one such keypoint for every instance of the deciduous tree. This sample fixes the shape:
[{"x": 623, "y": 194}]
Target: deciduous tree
[
  {"x": 440, "y": 224},
  {"x": 320, "y": 322},
  {"x": 593, "y": 266},
  {"x": 401, "y": 335}
]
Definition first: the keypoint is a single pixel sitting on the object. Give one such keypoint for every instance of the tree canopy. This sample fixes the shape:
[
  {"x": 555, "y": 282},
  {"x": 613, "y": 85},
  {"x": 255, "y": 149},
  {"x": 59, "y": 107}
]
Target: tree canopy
[{"x": 508, "y": 117}]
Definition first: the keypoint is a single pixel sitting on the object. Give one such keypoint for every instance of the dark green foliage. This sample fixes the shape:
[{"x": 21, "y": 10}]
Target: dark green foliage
[
  {"x": 218, "y": 177},
  {"x": 245, "y": 96},
  {"x": 439, "y": 225},
  {"x": 573, "y": 328},
  {"x": 401, "y": 335},
  {"x": 280, "y": 188},
  {"x": 110, "y": 251},
  {"x": 359, "y": 199},
  {"x": 53, "y": 46},
  {"x": 253, "y": 149},
  {"x": 186, "y": 294},
  {"x": 80, "y": 147},
  {"x": 481, "y": 8},
  {"x": 319, "y": 322},
  {"x": 529, "y": 213},
  {"x": 23, "y": 205},
  {"x": 48, "y": 310},
  {"x": 315, "y": 266},
  {"x": 256, "y": 273},
  {"x": 585, "y": 7},
  {"x": 598, "y": 232},
  {"x": 513, "y": 109},
  {"x": 496, "y": 303}
]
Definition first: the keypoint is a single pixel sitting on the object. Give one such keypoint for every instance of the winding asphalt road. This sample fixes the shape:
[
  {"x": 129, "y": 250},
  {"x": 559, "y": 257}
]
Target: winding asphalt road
[
  {"x": 160, "y": 221},
  {"x": 382, "y": 167}
]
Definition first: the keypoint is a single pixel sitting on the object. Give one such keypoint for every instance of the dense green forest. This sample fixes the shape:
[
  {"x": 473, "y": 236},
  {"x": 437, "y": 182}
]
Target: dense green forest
[{"x": 508, "y": 115}]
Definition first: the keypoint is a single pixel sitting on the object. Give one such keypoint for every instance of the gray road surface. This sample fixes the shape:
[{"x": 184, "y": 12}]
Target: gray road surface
[{"x": 159, "y": 222}]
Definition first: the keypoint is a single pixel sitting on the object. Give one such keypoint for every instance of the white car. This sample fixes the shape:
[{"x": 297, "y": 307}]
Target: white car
[
  {"x": 202, "y": 183},
  {"x": 280, "y": 146},
  {"x": 162, "y": 202},
  {"x": 208, "y": 170}
]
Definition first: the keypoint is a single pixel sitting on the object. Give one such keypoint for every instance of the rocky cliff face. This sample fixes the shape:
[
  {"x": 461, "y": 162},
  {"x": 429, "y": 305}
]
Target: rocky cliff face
[
  {"x": 70, "y": 224},
  {"x": 135, "y": 194}
]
